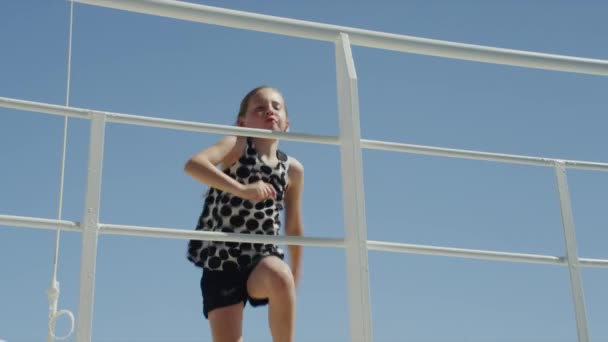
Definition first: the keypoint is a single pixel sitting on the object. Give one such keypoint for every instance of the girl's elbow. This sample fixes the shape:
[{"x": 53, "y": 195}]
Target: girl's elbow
[
  {"x": 188, "y": 167},
  {"x": 191, "y": 166}
]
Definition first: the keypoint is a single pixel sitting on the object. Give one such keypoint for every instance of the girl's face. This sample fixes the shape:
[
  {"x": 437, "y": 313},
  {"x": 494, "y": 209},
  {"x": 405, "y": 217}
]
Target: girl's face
[{"x": 266, "y": 110}]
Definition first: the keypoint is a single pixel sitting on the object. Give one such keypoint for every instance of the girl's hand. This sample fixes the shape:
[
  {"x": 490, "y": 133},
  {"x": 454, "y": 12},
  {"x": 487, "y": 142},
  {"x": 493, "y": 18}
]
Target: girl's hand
[{"x": 257, "y": 191}]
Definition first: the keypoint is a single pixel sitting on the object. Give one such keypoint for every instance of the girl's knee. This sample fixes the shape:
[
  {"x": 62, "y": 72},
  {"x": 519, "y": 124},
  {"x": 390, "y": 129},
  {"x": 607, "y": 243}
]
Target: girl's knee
[
  {"x": 279, "y": 277},
  {"x": 272, "y": 277},
  {"x": 282, "y": 279}
]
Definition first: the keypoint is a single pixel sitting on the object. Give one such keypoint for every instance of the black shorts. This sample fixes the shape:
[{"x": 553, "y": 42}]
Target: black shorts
[{"x": 225, "y": 288}]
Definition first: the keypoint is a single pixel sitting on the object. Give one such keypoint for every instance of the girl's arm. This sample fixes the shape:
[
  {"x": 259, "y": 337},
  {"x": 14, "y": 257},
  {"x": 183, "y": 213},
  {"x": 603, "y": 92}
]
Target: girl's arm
[
  {"x": 202, "y": 167},
  {"x": 293, "y": 213}
]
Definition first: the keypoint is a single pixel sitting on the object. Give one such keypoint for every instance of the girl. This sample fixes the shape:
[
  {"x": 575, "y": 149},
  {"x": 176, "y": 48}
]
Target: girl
[{"x": 256, "y": 183}]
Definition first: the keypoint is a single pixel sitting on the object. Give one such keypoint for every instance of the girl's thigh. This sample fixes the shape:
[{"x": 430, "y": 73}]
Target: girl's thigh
[{"x": 227, "y": 323}]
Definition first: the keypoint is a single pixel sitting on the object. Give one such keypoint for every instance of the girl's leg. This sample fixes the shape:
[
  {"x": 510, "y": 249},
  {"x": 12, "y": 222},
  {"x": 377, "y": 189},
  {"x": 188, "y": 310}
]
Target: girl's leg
[
  {"x": 227, "y": 323},
  {"x": 272, "y": 279}
]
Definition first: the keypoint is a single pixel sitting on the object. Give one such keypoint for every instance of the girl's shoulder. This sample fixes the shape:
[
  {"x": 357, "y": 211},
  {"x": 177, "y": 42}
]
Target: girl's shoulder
[
  {"x": 238, "y": 146},
  {"x": 295, "y": 173},
  {"x": 295, "y": 167}
]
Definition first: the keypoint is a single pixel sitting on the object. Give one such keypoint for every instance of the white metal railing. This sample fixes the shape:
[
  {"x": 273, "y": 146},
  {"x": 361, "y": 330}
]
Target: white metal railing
[
  {"x": 350, "y": 142},
  {"x": 374, "y": 39},
  {"x": 353, "y": 197},
  {"x": 147, "y": 121},
  {"x": 394, "y": 247}
]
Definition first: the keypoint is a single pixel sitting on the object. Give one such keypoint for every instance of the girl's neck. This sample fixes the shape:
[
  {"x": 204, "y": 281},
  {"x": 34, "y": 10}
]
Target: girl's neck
[{"x": 266, "y": 147}]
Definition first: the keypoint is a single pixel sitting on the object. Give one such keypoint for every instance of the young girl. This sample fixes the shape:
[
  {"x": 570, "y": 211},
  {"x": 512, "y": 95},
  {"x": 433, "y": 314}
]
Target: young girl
[{"x": 256, "y": 183}]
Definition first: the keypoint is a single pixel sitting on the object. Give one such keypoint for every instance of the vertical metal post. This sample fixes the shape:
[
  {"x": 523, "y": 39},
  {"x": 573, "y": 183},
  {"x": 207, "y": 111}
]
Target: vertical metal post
[
  {"x": 353, "y": 196},
  {"x": 571, "y": 252},
  {"x": 90, "y": 229}
]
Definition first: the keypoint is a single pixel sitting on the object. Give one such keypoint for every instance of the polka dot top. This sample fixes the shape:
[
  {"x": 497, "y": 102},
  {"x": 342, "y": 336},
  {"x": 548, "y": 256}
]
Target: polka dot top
[{"x": 225, "y": 212}]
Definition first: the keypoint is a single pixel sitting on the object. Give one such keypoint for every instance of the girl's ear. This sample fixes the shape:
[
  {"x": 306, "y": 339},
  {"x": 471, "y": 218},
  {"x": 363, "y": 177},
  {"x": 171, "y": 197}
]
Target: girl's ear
[
  {"x": 239, "y": 122},
  {"x": 286, "y": 126}
]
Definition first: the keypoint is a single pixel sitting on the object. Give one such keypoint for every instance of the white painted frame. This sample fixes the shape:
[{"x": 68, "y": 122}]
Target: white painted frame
[{"x": 350, "y": 142}]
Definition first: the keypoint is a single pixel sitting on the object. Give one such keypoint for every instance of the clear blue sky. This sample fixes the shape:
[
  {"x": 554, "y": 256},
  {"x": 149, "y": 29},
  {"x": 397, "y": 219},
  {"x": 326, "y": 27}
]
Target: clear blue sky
[{"x": 146, "y": 290}]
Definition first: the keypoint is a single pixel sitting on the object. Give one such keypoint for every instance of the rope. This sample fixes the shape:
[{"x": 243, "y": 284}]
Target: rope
[{"x": 53, "y": 291}]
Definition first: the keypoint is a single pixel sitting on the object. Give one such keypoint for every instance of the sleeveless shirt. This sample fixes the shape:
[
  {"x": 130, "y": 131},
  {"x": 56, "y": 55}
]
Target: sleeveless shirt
[{"x": 225, "y": 212}]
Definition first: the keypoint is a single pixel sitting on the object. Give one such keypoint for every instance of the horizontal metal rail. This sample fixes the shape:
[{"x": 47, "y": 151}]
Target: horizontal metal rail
[
  {"x": 218, "y": 129},
  {"x": 464, "y": 253},
  {"x": 589, "y": 262},
  {"x": 367, "y": 38},
  {"x": 40, "y": 223},
  {"x": 147, "y": 121},
  {"x": 217, "y": 236},
  {"x": 476, "y": 155},
  {"x": 479, "y": 254},
  {"x": 47, "y": 108},
  {"x": 155, "y": 232},
  {"x": 130, "y": 119}
]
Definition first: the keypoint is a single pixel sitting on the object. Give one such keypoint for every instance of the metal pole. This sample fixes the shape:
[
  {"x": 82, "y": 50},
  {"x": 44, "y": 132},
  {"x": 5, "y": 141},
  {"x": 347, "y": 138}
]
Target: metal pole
[
  {"x": 576, "y": 284},
  {"x": 90, "y": 230},
  {"x": 353, "y": 196}
]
